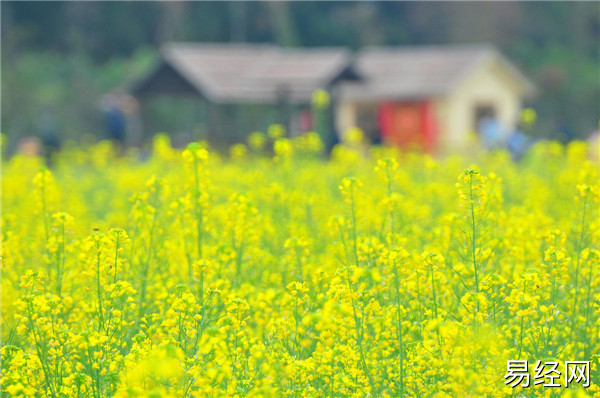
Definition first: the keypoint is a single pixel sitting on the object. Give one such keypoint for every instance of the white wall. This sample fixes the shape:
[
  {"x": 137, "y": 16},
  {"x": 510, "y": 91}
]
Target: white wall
[{"x": 488, "y": 83}]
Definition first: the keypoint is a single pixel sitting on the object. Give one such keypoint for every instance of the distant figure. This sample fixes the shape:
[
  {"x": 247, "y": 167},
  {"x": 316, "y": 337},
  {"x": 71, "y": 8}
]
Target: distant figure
[
  {"x": 305, "y": 120},
  {"x": 565, "y": 132},
  {"x": 29, "y": 146},
  {"x": 517, "y": 144},
  {"x": 300, "y": 122},
  {"x": 489, "y": 130},
  {"x": 114, "y": 117},
  {"x": 133, "y": 124},
  {"x": 377, "y": 138},
  {"x": 330, "y": 140},
  {"x": 120, "y": 112},
  {"x": 49, "y": 136}
]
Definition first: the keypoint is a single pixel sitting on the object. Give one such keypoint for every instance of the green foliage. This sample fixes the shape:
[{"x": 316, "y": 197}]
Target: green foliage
[
  {"x": 48, "y": 90},
  {"x": 58, "y": 58}
]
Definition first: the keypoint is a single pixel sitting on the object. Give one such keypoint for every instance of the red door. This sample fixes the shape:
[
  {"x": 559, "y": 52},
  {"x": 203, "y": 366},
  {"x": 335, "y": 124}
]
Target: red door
[{"x": 408, "y": 125}]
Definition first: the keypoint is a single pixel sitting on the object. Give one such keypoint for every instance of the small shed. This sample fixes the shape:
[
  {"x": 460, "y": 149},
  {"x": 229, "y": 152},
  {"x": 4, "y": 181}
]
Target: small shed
[
  {"x": 433, "y": 97},
  {"x": 240, "y": 83}
]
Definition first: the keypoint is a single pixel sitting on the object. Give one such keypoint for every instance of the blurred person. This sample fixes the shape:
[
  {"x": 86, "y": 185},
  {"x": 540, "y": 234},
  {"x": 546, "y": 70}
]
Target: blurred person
[
  {"x": 306, "y": 120},
  {"x": 121, "y": 117},
  {"x": 48, "y": 133},
  {"x": 133, "y": 125},
  {"x": 489, "y": 130},
  {"x": 114, "y": 118},
  {"x": 29, "y": 146},
  {"x": 565, "y": 132},
  {"x": 518, "y": 143},
  {"x": 302, "y": 121}
]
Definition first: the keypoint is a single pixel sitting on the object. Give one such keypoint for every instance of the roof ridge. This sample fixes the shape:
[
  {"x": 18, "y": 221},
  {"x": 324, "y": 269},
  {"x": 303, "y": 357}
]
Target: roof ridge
[
  {"x": 431, "y": 47},
  {"x": 215, "y": 45}
]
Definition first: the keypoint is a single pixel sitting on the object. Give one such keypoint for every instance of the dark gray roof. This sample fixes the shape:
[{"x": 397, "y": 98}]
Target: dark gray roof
[
  {"x": 420, "y": 72},
  {"x": 255, "y": 73},
  {"x": 231, "y": 73}
]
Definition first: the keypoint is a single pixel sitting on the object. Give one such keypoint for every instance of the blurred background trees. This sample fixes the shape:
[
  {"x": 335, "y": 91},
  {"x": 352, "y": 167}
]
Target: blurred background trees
[{"x": 58, "y": 58}]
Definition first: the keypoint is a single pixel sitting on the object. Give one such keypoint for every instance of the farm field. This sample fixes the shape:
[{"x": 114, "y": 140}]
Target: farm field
[{"x": 280, "y": 274}]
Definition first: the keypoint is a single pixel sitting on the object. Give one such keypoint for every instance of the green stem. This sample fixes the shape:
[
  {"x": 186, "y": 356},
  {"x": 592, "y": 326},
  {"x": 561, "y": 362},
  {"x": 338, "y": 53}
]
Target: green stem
[
  {"x": 60, "y": 262},
  {"x": 358, "y": 327},
  {"x": 99, "y": 287},
  {"x": 354, "y": 227},
  {"x": 474, "y": 238},
  {"x": 520, "y": 339},
  {"x": 579, "y": 247},
  {"x": 587, "y": 316},
  {"x": 116, "y": 259},
  {"x": 389, "y": 187},
  {"x": 41, "y": 352},
  {"x": 399, "y": 327},
  {"x": 146, "y": 269},
  {"x": 296, "y": 316},
  {"x": 435, "y": 310},
  {"x": 198, "y": 210}
]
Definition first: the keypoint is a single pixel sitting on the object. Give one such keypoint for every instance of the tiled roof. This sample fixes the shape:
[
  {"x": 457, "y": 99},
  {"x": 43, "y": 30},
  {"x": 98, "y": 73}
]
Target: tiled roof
[
  {"x": 418, "y": 72},
  {"x": 256, "y": 73}
]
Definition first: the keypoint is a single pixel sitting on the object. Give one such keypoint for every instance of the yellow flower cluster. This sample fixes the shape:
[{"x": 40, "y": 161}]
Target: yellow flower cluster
[{"x": 278, "y": 274}]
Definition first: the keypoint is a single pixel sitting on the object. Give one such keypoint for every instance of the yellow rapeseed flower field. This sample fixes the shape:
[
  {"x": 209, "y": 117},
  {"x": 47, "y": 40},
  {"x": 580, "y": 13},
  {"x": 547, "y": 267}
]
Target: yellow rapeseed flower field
[{"x": 276, "y": 273}]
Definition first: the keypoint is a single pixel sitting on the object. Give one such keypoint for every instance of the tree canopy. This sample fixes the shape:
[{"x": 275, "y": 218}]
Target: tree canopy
[{"x": 59, "y": 57}]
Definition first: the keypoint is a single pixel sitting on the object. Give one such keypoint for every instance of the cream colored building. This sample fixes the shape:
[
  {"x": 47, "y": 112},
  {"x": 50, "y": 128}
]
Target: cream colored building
[
  {"x": 427, "y": 96},
  {"x": 432, "y": 97}
]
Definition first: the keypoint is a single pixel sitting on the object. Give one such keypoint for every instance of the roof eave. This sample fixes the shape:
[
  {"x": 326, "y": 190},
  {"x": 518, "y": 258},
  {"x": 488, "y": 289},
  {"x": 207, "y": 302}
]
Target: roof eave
[
  {"x": 491, "y": 54},
  {"x": 198, "y": 80}
]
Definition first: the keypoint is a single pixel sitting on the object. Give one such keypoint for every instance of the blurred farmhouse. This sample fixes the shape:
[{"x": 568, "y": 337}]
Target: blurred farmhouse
[
  {"x": 433, "y": 96},
  {"x": 430, "y": 97},
  {"x": 66, "y": 72},
  {"x": 243, "y": 88}
]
